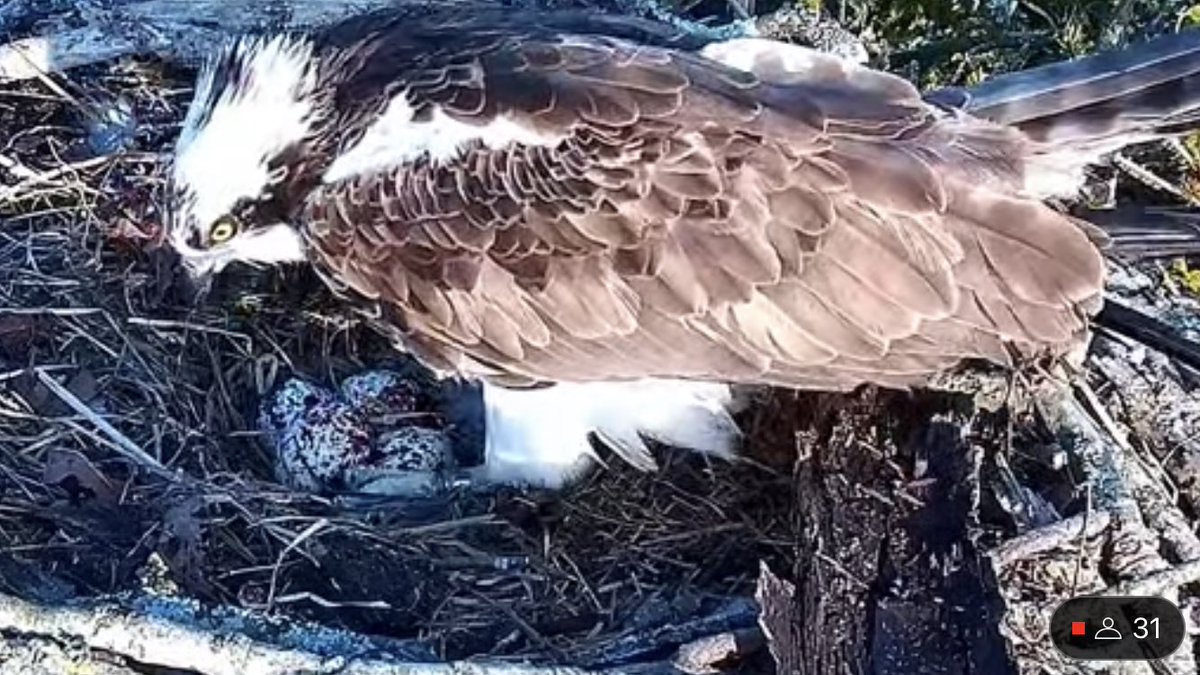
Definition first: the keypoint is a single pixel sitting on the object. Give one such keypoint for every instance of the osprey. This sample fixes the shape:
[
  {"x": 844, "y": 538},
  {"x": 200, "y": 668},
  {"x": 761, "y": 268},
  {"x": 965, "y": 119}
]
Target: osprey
[{"x": 609, "y": 223}]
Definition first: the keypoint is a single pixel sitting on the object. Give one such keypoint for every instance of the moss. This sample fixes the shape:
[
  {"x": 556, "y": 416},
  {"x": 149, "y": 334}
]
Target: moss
[
  {"x": 1185, "y": 276},
  {"x": 959, "y": 41}
]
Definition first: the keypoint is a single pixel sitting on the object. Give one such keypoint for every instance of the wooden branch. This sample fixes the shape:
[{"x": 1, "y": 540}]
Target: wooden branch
[
  {"x": 185, "y": 30},
  {"x": 1053, "y": 536},
  {"x": 733, "y": 618},
  {"x": 1128, "y": 508},
  {"x": 177, "y": 30},
  {"x": 140, "y": 629},
  {"x": 119, "y": 440},
  {"x": 181, "y": 30},
  {"x": 178, "y": 634}
]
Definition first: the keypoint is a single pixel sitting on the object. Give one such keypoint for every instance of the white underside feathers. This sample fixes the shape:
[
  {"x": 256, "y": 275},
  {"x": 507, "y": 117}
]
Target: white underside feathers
[
  {"x": 397, "y": 138},
  {"x": 539, "y": 437}
]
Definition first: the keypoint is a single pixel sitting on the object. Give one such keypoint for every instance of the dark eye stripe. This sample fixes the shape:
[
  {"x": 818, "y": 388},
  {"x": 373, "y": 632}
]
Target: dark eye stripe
[
  {"x": 269, "y": 208},
  {"x": 243, "y": 210}
]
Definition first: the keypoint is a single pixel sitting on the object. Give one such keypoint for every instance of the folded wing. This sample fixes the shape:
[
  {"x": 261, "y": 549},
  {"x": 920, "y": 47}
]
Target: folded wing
[{"x": 662, "y": 215}]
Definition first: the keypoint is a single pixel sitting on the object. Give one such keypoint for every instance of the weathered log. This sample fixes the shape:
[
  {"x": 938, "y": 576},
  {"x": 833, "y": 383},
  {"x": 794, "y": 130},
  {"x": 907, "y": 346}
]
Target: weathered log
[
  {"x": 185, "y": 30},
  {"x": 886, "y": 576}
]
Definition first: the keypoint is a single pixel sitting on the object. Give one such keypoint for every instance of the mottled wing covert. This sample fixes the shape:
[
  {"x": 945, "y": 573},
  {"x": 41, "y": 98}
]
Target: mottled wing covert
[{"x": 677, "y": 218}]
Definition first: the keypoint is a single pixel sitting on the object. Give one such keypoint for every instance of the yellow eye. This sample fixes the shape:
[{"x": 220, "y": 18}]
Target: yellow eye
[{"x": 222, "y": 231}]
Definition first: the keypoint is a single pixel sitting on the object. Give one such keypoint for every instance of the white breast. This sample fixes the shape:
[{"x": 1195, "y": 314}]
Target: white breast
[{"x": 540, "y": 436}]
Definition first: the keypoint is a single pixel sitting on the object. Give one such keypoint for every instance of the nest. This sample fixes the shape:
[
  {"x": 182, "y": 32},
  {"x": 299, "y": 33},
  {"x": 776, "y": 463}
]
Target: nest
[
  {"x": 129, "y": 457},
  {"x": 129, "y": 460},
  {"x": 98, "y": 328}
]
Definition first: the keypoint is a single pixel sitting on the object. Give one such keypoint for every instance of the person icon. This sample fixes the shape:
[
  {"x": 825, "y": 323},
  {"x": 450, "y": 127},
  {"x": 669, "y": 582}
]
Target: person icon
[{"x": 1107, "y": 632}]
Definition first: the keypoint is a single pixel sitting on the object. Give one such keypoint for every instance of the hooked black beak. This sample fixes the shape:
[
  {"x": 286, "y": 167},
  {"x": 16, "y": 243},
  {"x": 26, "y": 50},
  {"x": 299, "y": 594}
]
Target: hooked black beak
[
  {"x": 199, "y": 285},
  {"x": 180, "y": 280},
  {"x": 195, "y": 280}
]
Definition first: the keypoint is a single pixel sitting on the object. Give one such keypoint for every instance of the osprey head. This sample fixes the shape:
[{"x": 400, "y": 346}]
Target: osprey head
[{"x": 232, "y": 184}]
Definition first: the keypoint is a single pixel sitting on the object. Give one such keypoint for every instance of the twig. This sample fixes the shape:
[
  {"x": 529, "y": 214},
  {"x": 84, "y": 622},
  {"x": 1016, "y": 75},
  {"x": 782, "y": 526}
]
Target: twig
[
  {"x": 17, "y": 169},
  {"x": 1087, "y": 516},
  {"x": 50, "y": 311},
  {"x": 1149, "y": 178},
  {"x": 330, "y": 604},
  {"x": 1160, "y": 582},
  {"x": 734, "y": 614},
  {"x": 190, "y": 326},
  {"x": 307, "y": 533},
  {"x": 1079, "y": 527},
  {"x": 1141, "y": 327},
  {"x": 122, "y": 442},
  {"x": 49, "y": 177}
]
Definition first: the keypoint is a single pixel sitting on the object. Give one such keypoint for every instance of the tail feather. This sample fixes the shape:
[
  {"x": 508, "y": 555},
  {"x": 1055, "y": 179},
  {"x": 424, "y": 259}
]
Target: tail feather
[
  {"x": 1127, "y": 95},
  {"x": 1150, "y": 331},
  {"x": 1142, "y": 232}
]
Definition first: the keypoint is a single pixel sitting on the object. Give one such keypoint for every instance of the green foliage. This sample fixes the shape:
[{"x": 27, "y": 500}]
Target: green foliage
[
  {"x": 960, "y": 41},
  {"x": 1184, "y": 276},
  {"x": 1191, "y": 16}
]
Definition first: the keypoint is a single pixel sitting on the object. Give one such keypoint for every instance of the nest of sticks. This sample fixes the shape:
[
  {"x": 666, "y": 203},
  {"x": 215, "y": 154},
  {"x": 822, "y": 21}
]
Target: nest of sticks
[
  {"x": 131, "y": 461},
  {"x": 130, "y": 465}
]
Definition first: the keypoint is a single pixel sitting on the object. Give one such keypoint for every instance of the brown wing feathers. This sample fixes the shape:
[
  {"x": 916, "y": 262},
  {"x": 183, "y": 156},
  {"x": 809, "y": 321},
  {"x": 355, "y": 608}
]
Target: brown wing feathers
[{"x": 696, "y": 222}]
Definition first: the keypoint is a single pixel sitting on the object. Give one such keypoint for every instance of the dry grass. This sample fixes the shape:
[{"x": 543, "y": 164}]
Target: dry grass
[
  {"x": 140, "y": 468},
  {"x": 141, "y": 450}
]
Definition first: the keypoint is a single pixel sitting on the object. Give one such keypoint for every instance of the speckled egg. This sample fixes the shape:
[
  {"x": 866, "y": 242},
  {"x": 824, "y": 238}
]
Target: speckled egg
[
  {"x": 313, "y": 452},
  {"x": 289, "y": 402},
  {"x": 381, "y": 394},
  {"x": 326, "y": 440},
  {"x": 415, "y": 449}
]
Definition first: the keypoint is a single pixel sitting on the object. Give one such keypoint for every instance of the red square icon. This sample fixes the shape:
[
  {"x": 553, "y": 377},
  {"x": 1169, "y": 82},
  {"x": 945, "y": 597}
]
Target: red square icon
[{"x": 1078, "y": 628}]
